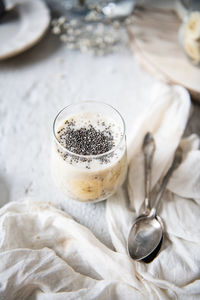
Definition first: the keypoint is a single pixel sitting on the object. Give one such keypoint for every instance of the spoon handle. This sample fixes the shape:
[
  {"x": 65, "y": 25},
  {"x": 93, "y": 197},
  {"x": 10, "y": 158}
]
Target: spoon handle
[
  {"x": 176, "y": 162},
  {"x": 148, "y": 150}
]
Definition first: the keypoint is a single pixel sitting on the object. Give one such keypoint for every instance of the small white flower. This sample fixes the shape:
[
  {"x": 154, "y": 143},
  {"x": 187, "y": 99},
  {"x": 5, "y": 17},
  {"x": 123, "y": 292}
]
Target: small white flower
[
  {"x": 61, "y": 20},
  {"x": 73, "y": 23},
  {"x": 63, "y": 37},
  {"x": 70, "y": 31},
  {"x": 56, "y": 30}
]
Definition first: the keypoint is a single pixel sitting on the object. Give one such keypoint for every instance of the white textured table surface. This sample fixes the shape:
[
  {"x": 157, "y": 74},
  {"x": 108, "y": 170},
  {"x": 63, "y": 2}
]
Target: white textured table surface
[{"x": 33, "y": 88}]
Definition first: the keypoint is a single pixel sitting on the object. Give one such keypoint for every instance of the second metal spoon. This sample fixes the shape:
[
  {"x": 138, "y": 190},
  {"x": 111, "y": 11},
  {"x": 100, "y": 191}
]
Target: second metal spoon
[{"x": 146, "y": 233}]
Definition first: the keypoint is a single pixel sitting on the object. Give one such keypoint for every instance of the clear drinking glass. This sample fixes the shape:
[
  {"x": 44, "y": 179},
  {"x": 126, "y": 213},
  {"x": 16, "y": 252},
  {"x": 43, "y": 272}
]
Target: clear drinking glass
[{"x": 89, "y": 178}]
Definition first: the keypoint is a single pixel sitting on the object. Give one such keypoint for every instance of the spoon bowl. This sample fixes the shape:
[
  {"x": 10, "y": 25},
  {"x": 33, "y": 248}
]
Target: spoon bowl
[{"x": 146, "y": 232}]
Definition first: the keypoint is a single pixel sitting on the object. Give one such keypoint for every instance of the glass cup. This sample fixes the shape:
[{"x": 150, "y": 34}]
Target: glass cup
[{"x": 89, "y": 178}]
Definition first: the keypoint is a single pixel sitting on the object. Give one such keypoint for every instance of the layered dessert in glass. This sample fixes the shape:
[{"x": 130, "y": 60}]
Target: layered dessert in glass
[{"x": 89, "y": 160}]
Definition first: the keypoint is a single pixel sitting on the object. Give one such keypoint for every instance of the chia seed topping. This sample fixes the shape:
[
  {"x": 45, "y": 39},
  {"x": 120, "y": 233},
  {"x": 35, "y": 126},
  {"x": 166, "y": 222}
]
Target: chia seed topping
[{"x": 86, "y": 140}]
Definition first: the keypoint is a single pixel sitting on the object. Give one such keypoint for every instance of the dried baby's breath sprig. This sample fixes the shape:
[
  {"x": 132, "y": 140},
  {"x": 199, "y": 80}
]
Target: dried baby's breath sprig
[{"x": 92, "y": 33}]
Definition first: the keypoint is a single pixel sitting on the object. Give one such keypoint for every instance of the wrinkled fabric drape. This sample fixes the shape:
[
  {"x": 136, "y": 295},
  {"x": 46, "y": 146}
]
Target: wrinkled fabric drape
[{"x": 45, "y": 254}]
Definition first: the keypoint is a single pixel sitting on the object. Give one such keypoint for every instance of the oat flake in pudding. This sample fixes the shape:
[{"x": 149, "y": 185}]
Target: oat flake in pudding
[{"x": 89, "y": 151}]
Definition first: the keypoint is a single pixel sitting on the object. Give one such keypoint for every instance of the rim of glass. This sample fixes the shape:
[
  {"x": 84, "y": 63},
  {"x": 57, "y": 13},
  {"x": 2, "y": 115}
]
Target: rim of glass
[{"x": 92, "y": 155}]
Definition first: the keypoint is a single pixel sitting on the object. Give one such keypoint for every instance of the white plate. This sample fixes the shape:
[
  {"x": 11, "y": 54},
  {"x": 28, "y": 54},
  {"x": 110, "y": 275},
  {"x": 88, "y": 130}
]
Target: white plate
[{"x": 23, "y": 27}]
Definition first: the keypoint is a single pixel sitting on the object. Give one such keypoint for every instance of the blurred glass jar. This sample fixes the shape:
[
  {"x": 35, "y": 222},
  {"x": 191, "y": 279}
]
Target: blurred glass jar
[
  {"x": 190, "y": 31},
  {"x": 111, "y": 9}
]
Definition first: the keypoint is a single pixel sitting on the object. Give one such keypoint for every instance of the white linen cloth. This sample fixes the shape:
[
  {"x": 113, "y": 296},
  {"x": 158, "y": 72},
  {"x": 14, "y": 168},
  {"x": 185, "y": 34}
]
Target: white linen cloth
[{"x": 45, "y": 254}]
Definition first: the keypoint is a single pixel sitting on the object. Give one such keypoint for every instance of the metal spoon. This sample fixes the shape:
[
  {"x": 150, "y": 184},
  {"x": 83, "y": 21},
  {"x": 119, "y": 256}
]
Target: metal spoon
[{"x": 146, "y": 234}]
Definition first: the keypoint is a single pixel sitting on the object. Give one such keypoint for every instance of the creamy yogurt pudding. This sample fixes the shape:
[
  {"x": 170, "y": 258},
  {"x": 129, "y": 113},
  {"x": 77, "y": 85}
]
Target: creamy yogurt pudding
[{"x": 89, "y": 156}]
